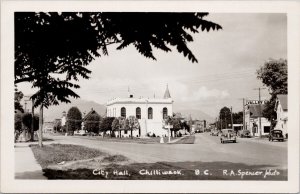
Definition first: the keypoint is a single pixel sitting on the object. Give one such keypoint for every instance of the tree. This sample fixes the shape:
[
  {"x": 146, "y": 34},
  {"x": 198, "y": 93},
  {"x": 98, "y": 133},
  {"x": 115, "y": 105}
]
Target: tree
[
  {"x": 18, "y": 121},
  {"x": 225, "y": 116},
  {"x": 53, "y": 49},
  {"x": 176, "y": 124},
  {"x": 133, "y": 124},
  {"x": 92, "y": 122},
  {"x": 75, "y": 39},
  {"x": 115, "y": 126},
  {"x": 106, "y": 125},
  {"x": 57, "y": 125},
  {"x": 273, "y": 74},
  {"x": 18, "y": 97},
  {"x": 27, "y": 121},
  {"x": 74, "y": 119},
  {"x": 237, "y": 117}
]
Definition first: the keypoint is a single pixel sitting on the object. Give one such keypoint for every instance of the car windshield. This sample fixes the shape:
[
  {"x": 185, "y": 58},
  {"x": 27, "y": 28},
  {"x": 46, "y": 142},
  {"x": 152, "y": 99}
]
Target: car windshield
[
  {"x": 277, "y": 132},
  {"x": 227, "y": 131}
]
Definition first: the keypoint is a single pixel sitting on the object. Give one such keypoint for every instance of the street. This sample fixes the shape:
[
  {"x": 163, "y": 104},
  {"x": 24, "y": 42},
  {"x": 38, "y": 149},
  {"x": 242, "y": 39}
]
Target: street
[{"x": 205, "y": 149}]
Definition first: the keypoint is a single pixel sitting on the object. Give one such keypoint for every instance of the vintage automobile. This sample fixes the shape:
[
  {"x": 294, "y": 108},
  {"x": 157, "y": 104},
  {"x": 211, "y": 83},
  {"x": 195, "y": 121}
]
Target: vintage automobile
[
  {"x": 214, "y": 132},
  {"x": 228, "y": 135},
  {"x": 244, "y": 134},
  {"x": 80, "y": 132},
  {"x": 276, "y": 135}
]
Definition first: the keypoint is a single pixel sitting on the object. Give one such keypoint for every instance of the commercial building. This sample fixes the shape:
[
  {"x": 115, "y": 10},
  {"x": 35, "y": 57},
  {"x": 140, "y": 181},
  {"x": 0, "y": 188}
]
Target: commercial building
[
  {"x": 253, "y": 111},
  {"x": 281, "y": 108}
]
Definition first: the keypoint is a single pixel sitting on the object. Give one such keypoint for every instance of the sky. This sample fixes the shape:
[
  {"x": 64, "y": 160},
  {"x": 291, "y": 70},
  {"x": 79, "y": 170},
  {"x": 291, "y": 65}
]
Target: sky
[{"x": 225, "y": 72}]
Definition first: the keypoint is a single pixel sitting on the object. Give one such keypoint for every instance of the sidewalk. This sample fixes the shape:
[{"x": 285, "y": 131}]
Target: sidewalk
[
  {"x": 26, "y": 167},
  {"x": 264, "y": 141}
]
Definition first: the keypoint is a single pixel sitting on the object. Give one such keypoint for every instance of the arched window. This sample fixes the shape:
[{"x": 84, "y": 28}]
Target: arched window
[
  {"x": 123, "y": 112},
  {"x": 165, "y": 113},
  {"x": 138, "y": 113},
  {"x": 150, "y": 113}
]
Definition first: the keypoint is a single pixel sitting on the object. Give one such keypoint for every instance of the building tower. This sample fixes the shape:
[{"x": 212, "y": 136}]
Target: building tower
[{"x": 167, "y": 93}]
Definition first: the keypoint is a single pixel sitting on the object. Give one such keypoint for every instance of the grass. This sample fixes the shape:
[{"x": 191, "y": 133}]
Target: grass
[
  {"x": 56, "y": 153},
  {"x": 150, "y": 140},
  {"x": 186, "y": 140}
]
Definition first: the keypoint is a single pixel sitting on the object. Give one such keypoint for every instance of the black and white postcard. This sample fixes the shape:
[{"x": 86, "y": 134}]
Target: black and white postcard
[{"x": 150, "y": 96}]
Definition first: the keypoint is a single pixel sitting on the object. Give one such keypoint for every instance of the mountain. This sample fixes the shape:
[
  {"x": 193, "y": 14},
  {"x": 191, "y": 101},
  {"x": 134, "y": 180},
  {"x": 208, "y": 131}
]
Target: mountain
[
  {"x": 196, "y": 114},
  {"x": 55, "y": 112}
]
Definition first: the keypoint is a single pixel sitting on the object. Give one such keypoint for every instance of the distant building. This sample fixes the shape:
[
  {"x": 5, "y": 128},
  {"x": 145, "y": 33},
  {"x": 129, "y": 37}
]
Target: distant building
[
  {"x": 281, "y": 108},
  {"x": 88, "y": 115},
  {"x": 150, "y": 113},
  {"x": 63, "y": 118},
  {"x": 252, "y": 114}
]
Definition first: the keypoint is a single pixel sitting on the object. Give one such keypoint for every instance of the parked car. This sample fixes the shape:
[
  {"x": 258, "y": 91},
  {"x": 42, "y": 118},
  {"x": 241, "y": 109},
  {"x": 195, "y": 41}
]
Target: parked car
[
  {"x": 244, "y": 134},
  {"x": 214, "y": 133},
  {"x": 276, "y": 135},
  {"x": 80, "y": 132},
  {"x": 228, "y": 135}
]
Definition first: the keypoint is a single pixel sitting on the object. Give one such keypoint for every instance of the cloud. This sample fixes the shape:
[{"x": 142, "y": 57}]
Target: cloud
[{"x": 205, "y": 94}]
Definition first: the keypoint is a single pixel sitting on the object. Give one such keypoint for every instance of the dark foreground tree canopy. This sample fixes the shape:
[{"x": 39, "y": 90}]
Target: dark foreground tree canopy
[{"x": 53, "y": 49}]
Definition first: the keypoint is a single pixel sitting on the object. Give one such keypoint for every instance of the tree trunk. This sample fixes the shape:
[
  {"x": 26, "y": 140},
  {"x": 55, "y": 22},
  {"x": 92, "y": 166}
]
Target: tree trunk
[
  {"x": 32, "y": 123},
  {"x": 41, "y": 127},
  {"x": 131, "y": 133},
  {"x": 120, "y": 134}
]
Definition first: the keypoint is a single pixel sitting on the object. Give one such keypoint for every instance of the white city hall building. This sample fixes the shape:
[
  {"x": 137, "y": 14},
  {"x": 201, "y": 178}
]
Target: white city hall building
[{"x": 150, "y": 113}]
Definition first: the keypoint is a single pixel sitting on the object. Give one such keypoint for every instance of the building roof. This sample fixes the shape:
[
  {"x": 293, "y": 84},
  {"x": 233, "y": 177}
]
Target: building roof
[
  {"x": 282, "y": 98},
  {"x": 167, "y": 93},
  {"x": 254, "y": 110},
  {"x": 89, "y": 114},
  {"x": 140, "y": 101}
]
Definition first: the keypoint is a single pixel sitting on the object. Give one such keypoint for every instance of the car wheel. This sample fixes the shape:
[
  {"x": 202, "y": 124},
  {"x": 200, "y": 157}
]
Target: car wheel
[
  {"x": 234, "y": 141},
  {"x": 272, "y": 139}
]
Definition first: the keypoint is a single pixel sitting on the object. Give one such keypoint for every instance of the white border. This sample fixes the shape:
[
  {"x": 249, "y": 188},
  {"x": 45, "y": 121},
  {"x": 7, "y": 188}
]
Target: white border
[{"x": 8, "y": 184}]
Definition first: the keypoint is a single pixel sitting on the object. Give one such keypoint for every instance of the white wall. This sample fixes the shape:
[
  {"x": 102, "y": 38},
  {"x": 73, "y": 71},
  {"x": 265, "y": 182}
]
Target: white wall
[{"x": 147, "y": 125}]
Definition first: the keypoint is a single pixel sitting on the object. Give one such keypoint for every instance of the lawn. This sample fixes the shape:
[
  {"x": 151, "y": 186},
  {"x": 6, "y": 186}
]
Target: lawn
[
  {"x": 56, "y": 153},
  {"x": 186, "y": 140},
  {"x": 149, "y": 140}
]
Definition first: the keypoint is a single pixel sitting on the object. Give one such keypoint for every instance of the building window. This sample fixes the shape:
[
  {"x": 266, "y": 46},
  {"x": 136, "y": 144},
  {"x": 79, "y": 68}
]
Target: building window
[
  {"x": 150, "y": 113},
  {"x": 123, "y": 112},
  {"x": 165, "y": 113},
  {"x": 138, "y": 113},
  {"x": 125, "y": 132}
]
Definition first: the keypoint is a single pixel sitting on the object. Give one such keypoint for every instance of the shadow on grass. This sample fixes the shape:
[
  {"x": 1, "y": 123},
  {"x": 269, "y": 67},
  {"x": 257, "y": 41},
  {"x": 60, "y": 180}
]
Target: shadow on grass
[{"x": 171, "y": 171}]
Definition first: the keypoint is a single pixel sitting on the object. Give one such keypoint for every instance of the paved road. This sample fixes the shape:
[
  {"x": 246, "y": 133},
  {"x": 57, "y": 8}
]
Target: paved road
[{"x": 206, "y": 149}]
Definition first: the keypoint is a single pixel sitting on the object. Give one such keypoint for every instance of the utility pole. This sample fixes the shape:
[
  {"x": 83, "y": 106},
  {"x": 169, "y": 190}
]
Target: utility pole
[
  {"x": 244, "y": 114},
  {"x": 260, "y": 112},
  {"x": 244, "y": 124},
  {"x": 231, "y": 117}
]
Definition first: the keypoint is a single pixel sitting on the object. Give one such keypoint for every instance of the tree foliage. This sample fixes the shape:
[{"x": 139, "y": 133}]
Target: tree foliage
[
  {"x": 106, "y": 124},
  {"x": 237, "y": 117},
  {"x": 92, "y": 122},
  {"x": 18, "y": 97},
  {"x": 116, "y": 125},
  {"x": 132, "y": 123},
  {"x": 18, "y": 121},
  {"x": 53, "y": 49},
  {"x": 225, "y": 117},
  {"x": 57, "y": 125},
  {"x": 273, "y": 74},
  {"x": 27, "y": 121},
  {"x": 74, "y": 119}
]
